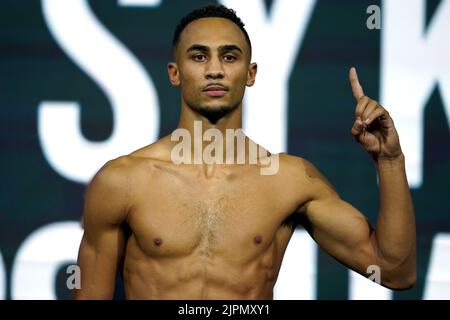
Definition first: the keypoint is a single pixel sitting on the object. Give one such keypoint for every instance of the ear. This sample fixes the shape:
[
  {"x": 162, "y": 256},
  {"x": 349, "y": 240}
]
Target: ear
[
  {"x": 174, "y": 75},
  {"x": 251, "y": 74}
]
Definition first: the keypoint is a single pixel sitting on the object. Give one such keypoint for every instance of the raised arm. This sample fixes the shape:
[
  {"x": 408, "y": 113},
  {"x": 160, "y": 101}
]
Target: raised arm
[
  {"x": 105, "y": 209},
  {"x": 342, "y": 230}
]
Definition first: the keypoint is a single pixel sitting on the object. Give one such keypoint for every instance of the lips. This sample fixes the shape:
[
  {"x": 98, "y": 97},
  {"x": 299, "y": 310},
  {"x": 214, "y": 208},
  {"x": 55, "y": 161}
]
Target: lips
[{"x": 215, "y": 90}]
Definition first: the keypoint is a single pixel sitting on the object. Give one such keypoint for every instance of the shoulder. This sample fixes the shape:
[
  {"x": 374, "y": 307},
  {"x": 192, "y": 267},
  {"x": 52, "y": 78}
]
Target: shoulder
[
  {"x": 296, "y": 166},
  {"x": 159, "y": 150},
  {"x": 125, "y": 171},
  {"x": 113, "y": 172},
  {"x": 304, "y": 173},
  {"x": 106, "y": 195},
  {"x": 110, "y": 186},
  {"x": 114, "y": 181},
  {"x": 134, "y": 162}
]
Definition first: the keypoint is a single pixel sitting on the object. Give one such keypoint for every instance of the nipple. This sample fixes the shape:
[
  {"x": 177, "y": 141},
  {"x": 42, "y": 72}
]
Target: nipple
[
  {"x": 257, "y": 239},
  {"x": 157, "y": 241}
]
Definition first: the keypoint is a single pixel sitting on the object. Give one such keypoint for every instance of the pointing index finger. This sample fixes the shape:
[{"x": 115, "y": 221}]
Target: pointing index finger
[{"x": 358, "y": 92}]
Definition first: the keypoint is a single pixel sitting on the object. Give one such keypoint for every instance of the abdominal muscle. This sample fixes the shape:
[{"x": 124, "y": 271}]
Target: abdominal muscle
[{"x": 197, "y": 275}]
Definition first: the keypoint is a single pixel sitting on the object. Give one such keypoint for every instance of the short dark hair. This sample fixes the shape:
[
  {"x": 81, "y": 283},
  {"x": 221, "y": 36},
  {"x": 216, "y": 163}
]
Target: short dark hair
[{"x": 210, "y": 11}]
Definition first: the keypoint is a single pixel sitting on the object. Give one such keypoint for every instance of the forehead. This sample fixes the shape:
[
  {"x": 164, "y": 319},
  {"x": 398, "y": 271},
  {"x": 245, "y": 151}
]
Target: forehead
[{"x": 212, "y": 32}]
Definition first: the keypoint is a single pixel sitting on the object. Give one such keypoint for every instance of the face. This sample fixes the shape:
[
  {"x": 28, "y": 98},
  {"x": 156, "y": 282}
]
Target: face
[{"x": 212, "y": 65}]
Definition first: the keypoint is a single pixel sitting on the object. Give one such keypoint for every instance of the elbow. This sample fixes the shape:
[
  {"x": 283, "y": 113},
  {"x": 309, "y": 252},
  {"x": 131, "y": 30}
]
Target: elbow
[
  {"x": 400, "y": 281},
  {"x": 400, "y": 275},
  {"x": 400, "y": 285}
]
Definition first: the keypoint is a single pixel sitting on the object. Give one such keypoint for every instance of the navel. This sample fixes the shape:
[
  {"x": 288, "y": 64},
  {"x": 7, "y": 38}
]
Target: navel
[
  {"x": 157, "y": 242},
  {"x": 257, "y": 239}
]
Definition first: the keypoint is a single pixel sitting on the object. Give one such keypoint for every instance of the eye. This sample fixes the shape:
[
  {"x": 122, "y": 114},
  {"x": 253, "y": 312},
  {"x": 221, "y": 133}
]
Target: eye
[
  {"x": 199, "y": 57},
  {"x": 229, "y": 58}
]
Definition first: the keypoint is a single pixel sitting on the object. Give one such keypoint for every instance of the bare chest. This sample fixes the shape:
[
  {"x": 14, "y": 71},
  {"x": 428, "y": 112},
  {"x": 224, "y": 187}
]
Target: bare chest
[
  {"x": 221, "y": 217},
  {"x": 180, "y": 225}
]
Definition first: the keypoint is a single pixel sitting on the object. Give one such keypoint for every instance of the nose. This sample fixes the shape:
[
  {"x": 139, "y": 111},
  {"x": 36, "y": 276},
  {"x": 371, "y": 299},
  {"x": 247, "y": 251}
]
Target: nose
[{"x": 214, "y": 69}]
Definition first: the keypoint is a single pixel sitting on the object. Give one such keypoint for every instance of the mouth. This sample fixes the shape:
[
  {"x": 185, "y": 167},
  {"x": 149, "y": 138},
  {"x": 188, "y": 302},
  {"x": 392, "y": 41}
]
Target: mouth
[{"x": 215, "y": 90}]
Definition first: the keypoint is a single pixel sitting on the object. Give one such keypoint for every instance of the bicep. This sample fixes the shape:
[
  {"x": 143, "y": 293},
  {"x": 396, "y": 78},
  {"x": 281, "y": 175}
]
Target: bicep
[
  {"x": 102, "y": 244},
  {"x": 338, "y": 227},
  {"x": 98, "y": 257},
  {"x": 343, "y": 232}
]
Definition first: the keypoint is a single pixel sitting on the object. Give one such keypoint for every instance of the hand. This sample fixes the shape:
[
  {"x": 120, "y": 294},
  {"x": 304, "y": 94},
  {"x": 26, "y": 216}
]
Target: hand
[{"x": 373, "y": 127}]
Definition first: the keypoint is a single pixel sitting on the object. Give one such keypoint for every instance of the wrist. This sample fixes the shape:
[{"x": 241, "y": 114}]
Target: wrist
[{"x": 390, "y": 162}]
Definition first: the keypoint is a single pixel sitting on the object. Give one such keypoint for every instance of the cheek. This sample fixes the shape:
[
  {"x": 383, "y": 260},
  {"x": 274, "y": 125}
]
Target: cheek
[
  {"x": 239, "y": 92},
  {"x": 190, "y": 87},
  {"x": 191, "y": 80},
  {"x": 191, "y": 72},
  {"x": 240, "y": 81},
  {"x": 242, "y": 75}
]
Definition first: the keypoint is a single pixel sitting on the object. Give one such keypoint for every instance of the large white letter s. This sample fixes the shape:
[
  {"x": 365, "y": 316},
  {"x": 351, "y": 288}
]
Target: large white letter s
[{"x": 119, "y": 74}]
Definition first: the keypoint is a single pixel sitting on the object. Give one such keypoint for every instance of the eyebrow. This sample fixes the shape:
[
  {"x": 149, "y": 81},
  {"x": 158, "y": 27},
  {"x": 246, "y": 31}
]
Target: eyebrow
[{"x": 222, "y": 49}]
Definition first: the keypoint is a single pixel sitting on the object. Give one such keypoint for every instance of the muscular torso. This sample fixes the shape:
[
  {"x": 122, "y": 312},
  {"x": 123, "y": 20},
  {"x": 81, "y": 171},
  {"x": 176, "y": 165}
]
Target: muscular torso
[{"x": 206, "y": 233}]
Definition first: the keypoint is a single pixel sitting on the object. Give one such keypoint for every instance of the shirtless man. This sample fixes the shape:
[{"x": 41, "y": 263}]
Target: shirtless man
[{"x": 219, "y": 231}]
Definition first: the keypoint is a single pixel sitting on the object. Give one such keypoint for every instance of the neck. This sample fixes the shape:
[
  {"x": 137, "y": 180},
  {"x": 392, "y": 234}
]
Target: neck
[
  {"x": 197, "y": 126},
  {"x": 198, "y": 141}
]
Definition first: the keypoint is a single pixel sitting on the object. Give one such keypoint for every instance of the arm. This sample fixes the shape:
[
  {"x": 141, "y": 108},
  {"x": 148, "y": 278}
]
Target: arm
[
  {"x": 346, "y": 234},
  {"x": 103, "y": 240},
  {"x": 342, "y": 230}
]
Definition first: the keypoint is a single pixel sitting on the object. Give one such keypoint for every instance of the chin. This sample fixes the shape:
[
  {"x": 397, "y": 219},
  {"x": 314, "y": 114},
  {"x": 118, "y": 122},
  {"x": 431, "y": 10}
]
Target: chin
[
  {"x": 215, "y": 107},
  {"x": 214, "y": 112}
]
